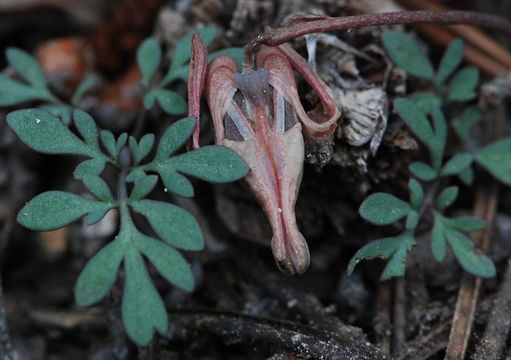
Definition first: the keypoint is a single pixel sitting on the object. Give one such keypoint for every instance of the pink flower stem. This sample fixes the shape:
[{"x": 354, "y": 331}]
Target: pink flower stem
[{"x": 308, "y": 25}]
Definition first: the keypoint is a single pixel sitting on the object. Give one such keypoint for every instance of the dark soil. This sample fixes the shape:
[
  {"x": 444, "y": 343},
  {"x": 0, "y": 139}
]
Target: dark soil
[{"x": 242, "y": 307}]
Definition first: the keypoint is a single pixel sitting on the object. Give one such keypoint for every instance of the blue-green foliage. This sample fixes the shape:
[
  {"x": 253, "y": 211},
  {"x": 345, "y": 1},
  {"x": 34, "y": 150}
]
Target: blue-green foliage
[
  {"x": 149, "y": 59},
  {"x": 422, "y": 112},
  {"x": 448, "y": 85},
  {"x": 28, "y": 85},
  {"x": 143, "y": 311}
]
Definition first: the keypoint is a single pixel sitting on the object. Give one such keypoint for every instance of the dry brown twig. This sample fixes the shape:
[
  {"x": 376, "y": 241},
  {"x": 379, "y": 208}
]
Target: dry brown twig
[
  {"x": 312, "y": 24},
  {"x": 298, "y": 339},
  {"x": 486, "y": 201},
  {"x": 485, "y": 208},
  {"x": 490, "y": 347}
]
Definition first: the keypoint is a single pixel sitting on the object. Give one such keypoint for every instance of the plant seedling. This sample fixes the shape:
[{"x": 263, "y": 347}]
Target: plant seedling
[
  {"x": 149, "y": 59},
  {"x": 33, "y": 86},
  {"x": 255, "y": 111},
  {"x": 143, "y": 311},
  {"x": 384, "y": 209}
]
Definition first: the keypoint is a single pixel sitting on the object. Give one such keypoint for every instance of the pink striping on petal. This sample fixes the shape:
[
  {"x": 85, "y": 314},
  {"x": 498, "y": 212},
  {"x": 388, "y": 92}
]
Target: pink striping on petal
[{"x": 196, "y": 79}]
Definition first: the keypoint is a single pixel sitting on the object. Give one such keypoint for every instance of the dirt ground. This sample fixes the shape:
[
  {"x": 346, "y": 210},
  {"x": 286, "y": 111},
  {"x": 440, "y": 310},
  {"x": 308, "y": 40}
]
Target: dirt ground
[{"x": 243, "y": 307}]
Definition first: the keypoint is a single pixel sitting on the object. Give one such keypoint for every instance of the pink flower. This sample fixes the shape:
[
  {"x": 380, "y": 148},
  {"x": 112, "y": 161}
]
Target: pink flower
[{"x": 259, "y": 115}]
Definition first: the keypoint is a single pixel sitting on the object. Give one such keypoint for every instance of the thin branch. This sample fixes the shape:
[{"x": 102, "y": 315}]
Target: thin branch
[
  {"x": 308, "y": 25},
  {"x": 486, "y": 201},
  {"x": 497, "y": 330},
  {"x": 399, "y": 316},
  {"x": 298, "y": 339}
]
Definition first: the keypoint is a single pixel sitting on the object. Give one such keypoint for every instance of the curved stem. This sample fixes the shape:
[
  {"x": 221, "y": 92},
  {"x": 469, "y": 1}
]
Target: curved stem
[{"x": 303, "y": 26}]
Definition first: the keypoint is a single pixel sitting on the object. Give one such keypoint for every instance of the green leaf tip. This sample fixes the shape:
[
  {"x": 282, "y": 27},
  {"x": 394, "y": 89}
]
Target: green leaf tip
[
  {"x": 470, "y": 258},
  {"x": 54, "y": 209},
  {"x": 404, "y": 51},
  {"x": 143, "y": 311},
  {"x": 496, "y": 159},
  {"x": 383, "y": 209},
  {"x": 462, "y": 86},
  {"x": 44, "y": 132},
  {"x": 26, "y": 66},
  {"x": 98, "y": 275},
  {"x": 451, "y": 59},
  {"x": 396, "y": 248},
  {"x": 148, "y": 60},
  {"x": 447, "y": 197},
  {"x": 173, "y": 224}
]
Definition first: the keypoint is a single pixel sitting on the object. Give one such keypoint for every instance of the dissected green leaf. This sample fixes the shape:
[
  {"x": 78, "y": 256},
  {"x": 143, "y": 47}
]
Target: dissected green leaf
[
  {"x": 62, "y": 111},
  {"x": 174, "y": 137},
  {"x": 27, "y": 67},
  {"x": 143, "y": 311},
  {"x": 407, "y": 54},
  {"x": 381, "y": 248},
  {"x": 496, "y": 159},
  {"x": 148, "y": 60},
  {"x": 415, "y": 119},
  {"x": 217, "y": 164},
  {"x": 422, "y": 171},
  {"x": 437, "y": 144},
  {"x": 170, "y": 101},
  {"x": 466, "y": 223},
  {"x": 464, "y": 124},
  {"x": 426, "y": 100},
  {"x": 383, "y": 209},
  {"x": 135, "y": 175},
  {"x": 99, "y": 188},
  {"x": 44, "y": 132},
  {"x": 13, "y": 92},
  {"x": 451, "y": 59},
  {"x": 471, "y": 259},
  {"x": 83, "y": 88},
  {"x": 96, "y": 216},
  {"x": 176, "y": 183},
  {"x": 86, "y": 127},
  {"x": 396, "y": 265},
  {"x": 89, "y": 167},
  {"x": 143, "y": 187},
  {"x": 456, "y": 164},
  {"x": 173, "y": 224},
  {"x": 54, "y": 209},
  {"x": 446, "y": 197},
  {"x": 169, "y": 262},
  {"x": 438, "y": 241},
  {"x": 143, "y": 148},
  {"x": 395, "y": 248},
  {"x": 121, "y": 142},
  {"x": 108, "y": 141},
  {"x": 463, "y": 85},
  {"x": 98, "y": 276},
  {"x": 416, "y": 194}
]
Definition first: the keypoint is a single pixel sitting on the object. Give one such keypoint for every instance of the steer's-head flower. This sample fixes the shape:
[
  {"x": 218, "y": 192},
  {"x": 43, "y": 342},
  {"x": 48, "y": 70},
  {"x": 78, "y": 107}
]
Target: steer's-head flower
[{"x": 258, "y": 113}]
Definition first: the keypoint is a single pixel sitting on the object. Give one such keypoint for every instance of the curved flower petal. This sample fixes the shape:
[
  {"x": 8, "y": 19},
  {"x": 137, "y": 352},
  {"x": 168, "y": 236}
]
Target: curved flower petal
[
  {"x": 220, "y": 91},
  {"x": 320, "y": 123},
  {"x": 196, "y": 78}
]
